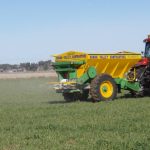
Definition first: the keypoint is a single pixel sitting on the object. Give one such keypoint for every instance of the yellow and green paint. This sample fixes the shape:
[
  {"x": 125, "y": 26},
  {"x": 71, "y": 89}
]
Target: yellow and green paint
[{"x": 84, "y": 67}]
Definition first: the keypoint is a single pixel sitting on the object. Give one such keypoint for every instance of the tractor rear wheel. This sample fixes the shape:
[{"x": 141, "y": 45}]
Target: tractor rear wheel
[{"x": 103, "y": 87}]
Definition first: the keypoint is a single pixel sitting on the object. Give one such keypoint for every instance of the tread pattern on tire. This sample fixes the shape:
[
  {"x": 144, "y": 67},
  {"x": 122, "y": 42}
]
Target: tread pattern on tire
[
  {"x": 84, "y": 96},
  {"x": 95, "y": 87},
  {"x": 76, "y": 96}
]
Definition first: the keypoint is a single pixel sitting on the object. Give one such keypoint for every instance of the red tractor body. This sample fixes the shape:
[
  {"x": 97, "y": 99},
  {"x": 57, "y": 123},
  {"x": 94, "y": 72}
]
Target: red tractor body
[
  {"x": 141, "y": 71},
  {"x": 143, "y": 62}
]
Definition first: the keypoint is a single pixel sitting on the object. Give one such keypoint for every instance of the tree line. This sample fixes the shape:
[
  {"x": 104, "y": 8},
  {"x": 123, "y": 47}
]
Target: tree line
[{"x": 39, "y": 66}]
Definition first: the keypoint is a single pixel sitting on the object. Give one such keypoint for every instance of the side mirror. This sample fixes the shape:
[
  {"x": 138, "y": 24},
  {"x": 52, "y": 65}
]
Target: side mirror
[{"x": 142, "y": 52}]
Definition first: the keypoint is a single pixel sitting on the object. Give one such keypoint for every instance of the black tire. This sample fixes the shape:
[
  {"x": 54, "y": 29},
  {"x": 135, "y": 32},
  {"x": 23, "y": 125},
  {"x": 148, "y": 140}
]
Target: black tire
[
  {"x": 137, "y": 94},
  {"x": 70, "y": 97},
  {"x": 97, "y": 85},
  {"x": 84, "y": 96}
]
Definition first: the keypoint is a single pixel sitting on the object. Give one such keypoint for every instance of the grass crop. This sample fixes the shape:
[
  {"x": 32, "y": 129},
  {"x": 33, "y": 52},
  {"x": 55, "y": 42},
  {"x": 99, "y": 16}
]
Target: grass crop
[{"x": 34, "y": 117}]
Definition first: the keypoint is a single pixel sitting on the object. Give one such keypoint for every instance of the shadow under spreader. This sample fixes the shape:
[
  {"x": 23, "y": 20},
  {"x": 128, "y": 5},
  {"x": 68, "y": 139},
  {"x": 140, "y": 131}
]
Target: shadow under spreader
[
  {"x": 130, "y": 97},
  {"x": 124, "y": 97},
  {"x": 64, "y": 102},
  {"x": 57, "y": 102}
]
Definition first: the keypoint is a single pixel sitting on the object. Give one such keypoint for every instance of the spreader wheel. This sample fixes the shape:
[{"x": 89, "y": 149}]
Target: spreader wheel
[
  {"x": 70, "y": 97},
  {"x": 84, "y": 96},
  {"x": 103, "y": 87}
]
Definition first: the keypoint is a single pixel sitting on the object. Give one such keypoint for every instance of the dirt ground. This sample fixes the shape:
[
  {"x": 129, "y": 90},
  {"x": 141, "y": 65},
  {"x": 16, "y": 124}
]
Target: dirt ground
[{"x": 27, "y": 75}]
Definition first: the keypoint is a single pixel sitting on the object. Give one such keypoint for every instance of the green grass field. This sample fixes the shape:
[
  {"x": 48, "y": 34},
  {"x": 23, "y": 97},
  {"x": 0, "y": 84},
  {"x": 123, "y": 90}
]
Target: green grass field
[{"x": 33, "y": 117}]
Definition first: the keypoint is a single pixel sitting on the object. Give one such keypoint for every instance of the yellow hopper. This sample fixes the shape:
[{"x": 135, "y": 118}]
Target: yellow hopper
[{"x": 115, "y": 65}]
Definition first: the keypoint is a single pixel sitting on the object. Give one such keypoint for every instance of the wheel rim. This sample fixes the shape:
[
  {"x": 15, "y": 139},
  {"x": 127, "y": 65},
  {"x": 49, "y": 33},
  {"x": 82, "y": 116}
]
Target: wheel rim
[{"x": 106, "y": 89}]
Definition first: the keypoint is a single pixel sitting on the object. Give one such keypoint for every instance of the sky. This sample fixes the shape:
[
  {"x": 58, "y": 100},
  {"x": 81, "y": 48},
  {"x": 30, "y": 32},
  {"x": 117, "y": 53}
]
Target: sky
[{"x": 34, "y": 30}]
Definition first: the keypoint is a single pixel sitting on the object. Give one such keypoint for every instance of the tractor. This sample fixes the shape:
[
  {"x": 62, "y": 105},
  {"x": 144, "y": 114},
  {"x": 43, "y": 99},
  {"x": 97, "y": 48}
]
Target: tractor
[
  {"x": 102, "y": 76},
  {"x": 142, "y": 69}
]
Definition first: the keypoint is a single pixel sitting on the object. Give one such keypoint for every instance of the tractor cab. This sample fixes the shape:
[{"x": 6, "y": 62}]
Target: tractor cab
[
  {"x": 147, "y": 47},
  {"x": 146, "y": 59}
]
